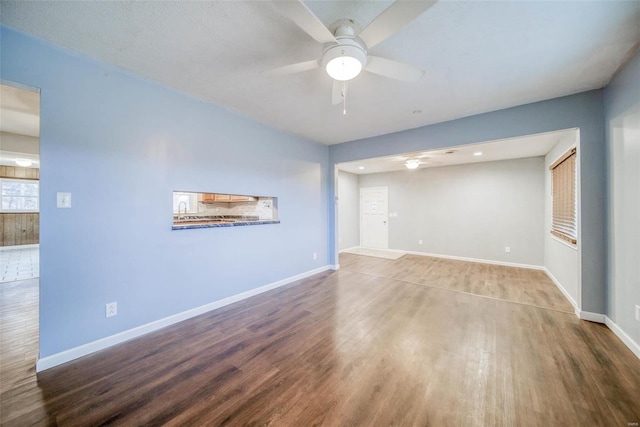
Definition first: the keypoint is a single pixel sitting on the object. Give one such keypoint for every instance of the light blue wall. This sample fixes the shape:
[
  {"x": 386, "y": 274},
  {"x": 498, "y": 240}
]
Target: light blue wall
[
  {"x": 121, "y": 145},
  {"x": 622, "y": 115},
  {"x": 584, "y": 110}
]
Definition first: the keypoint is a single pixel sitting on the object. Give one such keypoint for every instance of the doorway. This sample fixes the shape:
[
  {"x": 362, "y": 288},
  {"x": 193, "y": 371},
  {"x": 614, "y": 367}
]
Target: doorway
[
  {"x": 19, "y": 183},
  {"x": 19, "y": 226},
  {"x": 374, "y": 227}
]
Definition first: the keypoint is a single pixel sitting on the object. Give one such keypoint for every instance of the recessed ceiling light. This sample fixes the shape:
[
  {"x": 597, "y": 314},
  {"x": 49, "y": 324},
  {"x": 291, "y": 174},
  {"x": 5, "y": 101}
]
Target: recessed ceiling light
[
  {"x": 23, "y": 162},
  {"x": 478, "y": 153},
  {"x": 412, "y": 163},
  {"x": 361, "y": 167}
]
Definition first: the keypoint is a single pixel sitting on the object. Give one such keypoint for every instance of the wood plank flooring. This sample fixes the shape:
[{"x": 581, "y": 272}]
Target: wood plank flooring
[
  {"x": 338, "y": 349},
  {"x": 525, "y": 286}
]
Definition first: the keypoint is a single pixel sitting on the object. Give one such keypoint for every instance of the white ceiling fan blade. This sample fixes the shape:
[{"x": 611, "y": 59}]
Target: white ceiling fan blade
[
  {"x": 305, "y": 19},
  {"x": 292, "y": 69},
  {"x": 339, "y": 92},
  {"x": 392, "y": 20},
  {"x": 393, "y": 69}
]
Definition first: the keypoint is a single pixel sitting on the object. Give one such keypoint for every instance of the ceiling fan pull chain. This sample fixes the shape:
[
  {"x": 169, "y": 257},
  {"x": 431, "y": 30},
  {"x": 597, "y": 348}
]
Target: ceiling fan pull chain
[{"x": 344, "y": 98}]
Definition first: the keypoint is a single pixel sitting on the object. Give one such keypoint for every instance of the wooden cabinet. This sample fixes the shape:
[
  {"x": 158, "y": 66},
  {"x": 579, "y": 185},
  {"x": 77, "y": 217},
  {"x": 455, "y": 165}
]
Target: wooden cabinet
[
  {"x": 211, "y": 198},
  {"x": 243, "y": 198},
  {"x": 226, "y": 198}
]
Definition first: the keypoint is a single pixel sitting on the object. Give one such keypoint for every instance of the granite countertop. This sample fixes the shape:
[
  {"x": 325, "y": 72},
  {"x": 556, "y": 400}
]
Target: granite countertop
[{"x": 210, "y": 221}]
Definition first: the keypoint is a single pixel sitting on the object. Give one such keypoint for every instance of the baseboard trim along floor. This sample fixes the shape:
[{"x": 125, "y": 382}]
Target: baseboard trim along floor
[
  {"x": 626, "y": 339},
  {"x": 377, "y": 253},
  {"x": 85, "y": 349},
  {"x": 462, "y": 258},
  {"x": 564, "y": 291},
  {"x": 606, "y": 320}
]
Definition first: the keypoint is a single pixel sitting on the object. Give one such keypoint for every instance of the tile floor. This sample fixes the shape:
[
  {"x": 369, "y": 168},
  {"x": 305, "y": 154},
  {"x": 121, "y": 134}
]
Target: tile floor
[{"x": 19, "y": 263}]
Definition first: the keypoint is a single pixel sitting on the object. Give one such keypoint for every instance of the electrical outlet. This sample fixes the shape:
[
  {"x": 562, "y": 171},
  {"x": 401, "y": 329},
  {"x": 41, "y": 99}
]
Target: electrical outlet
[
  {"x": 315, "y": 255},
  {"x": 112, "y": 309},
  {"x": 638, "y": 313},
  {"x": 419, "y": 242},
  {"x": 507, "y": 249}
]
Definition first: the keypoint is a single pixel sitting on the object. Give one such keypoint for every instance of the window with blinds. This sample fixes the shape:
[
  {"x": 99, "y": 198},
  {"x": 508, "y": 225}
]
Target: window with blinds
[{"x": 564, "y": 222}]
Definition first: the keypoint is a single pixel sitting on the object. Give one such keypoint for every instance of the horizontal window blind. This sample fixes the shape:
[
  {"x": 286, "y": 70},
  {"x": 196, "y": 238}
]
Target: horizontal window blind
[{"x": 564, "y": 222}]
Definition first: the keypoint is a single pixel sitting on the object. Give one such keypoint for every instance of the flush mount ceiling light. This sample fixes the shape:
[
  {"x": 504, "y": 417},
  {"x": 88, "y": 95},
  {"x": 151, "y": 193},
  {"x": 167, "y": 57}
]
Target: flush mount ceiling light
[
  {"x": 478, "y": 153},
  {"x": 345, "y": 60},
  {"x": 361, "y": 167},
  {"x": 412, "y": 163},
  {"x": 23, "y": 162}
]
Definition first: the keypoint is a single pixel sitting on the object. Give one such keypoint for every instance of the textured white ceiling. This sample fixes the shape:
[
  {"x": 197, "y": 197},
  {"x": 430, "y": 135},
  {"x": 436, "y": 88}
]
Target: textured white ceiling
[
  {"x": 478, "y": 56},
  {"x": 504, "y": 149}
]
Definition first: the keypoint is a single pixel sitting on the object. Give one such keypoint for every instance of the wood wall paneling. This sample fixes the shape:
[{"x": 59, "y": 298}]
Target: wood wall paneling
[
  {"x": 18, "y": 172},
  {"x": 19, "y": 229}
]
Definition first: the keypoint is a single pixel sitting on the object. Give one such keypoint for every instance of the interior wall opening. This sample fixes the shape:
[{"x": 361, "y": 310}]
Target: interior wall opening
[
  {"x": 19, "y": 223},
  {"x": 489, "y": 203}
]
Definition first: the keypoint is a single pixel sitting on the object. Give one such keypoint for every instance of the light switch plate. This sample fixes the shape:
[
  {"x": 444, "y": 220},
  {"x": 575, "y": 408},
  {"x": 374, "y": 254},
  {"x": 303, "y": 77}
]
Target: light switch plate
[{"x": 63, "y": 200}]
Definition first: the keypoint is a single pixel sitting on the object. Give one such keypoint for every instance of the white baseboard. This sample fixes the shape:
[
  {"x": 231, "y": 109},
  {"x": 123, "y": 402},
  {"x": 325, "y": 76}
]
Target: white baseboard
[
  {"x": 13, "y": 248},
  {"x": 348, "y": 249},
  {"x": 564, "y": 291},
  {"x": 626, "y": 339},
  {"x": 478, "y": 260},
  {"x": 85, "y": 349},
  {"x": 334, "y": 267},
  {"x": 601, "y": 318},
  {"x": 592, "y": 317}
]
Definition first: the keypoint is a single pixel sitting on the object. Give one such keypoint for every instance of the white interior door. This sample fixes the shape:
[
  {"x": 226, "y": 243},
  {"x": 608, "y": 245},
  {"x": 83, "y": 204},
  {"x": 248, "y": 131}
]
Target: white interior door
[{"x": 374, "y": 230}]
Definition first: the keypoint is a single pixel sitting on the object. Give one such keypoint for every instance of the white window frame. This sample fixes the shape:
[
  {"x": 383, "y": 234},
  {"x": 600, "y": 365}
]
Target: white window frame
[
  {"x": 20, "y": 180},
  {"x": 193, "y": 202}
]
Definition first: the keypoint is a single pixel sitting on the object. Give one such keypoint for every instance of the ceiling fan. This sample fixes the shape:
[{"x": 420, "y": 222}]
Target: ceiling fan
[{"x": 345, "y": 53}]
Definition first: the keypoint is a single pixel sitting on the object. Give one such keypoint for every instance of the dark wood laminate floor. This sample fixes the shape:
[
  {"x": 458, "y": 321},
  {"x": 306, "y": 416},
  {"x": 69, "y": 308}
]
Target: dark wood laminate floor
[{"x": 340, "y": 348}]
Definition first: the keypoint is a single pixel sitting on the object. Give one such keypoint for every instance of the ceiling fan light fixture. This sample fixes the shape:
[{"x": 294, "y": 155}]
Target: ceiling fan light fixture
[
  {"x": 412, "y": 164},
  {"x": 344, "y": 68},
  {"x": 345, "y": 60},
  {"x": 24, "y": 162}
]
